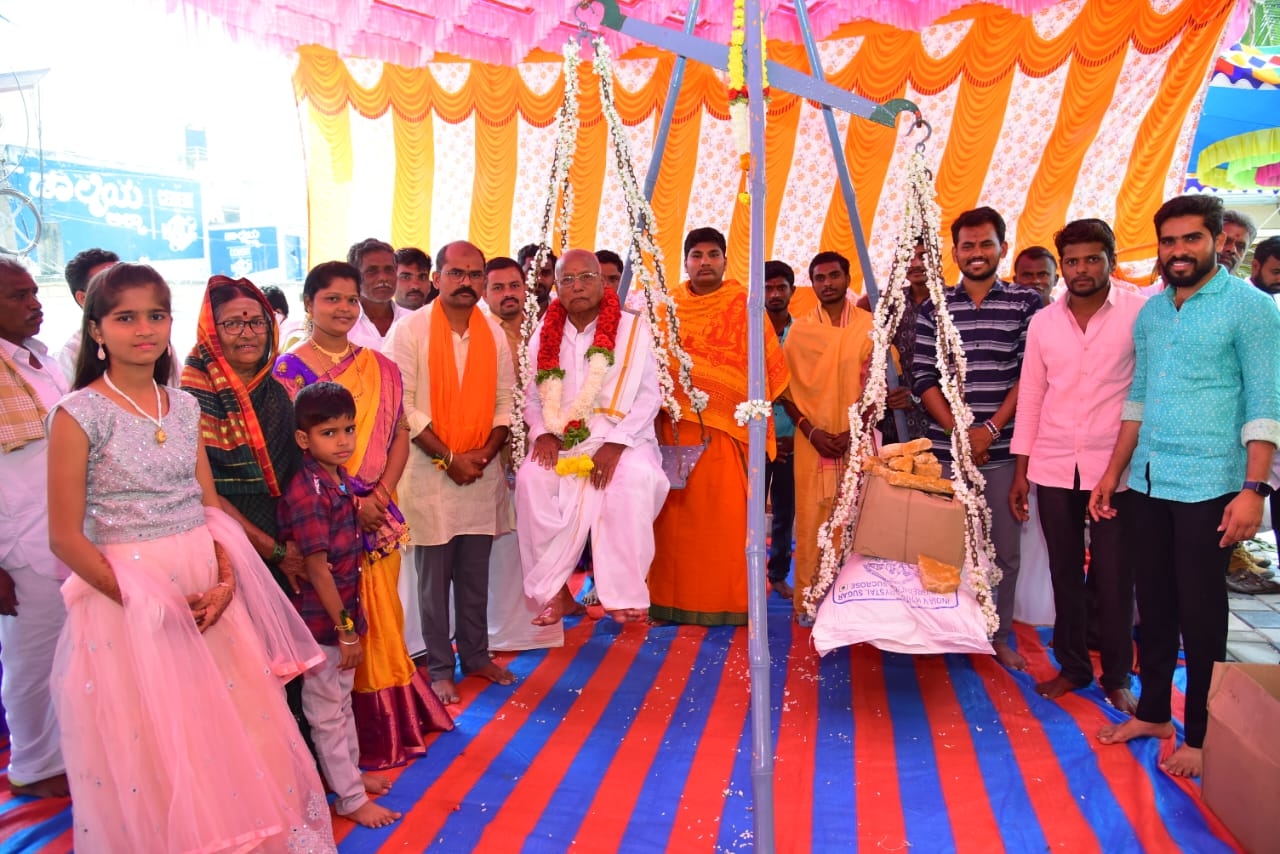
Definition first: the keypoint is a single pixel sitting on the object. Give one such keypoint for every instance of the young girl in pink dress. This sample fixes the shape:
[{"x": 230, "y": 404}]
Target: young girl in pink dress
[{"x": 168, "y": 674}]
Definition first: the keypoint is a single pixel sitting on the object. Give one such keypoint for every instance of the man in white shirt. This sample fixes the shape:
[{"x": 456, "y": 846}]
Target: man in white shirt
[
  {"x": 594, "y": 466},
  {"x": 376, "y": 262},
  {"x": 31, "y": 609},
  {"x": 80, "y": 269}
]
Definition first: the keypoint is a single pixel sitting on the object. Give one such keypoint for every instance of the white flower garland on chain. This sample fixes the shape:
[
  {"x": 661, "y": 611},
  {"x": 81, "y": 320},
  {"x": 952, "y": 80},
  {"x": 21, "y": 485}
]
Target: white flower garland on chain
[
  {"x": 922, "y": 221},
  {"x": 644, "y": 247},
  {"x": 559, "y": 186}
]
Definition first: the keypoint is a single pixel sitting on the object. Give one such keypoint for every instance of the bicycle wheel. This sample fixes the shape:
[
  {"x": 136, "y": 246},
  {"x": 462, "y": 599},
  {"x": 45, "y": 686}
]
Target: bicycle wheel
[{"x": 20, "y": 223}]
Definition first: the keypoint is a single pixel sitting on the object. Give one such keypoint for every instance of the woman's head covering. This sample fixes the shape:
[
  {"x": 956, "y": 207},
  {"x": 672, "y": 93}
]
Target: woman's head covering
[{"x": 233, "y": 413}]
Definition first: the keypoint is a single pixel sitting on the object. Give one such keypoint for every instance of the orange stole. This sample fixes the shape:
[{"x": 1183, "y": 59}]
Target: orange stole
[
  {"x": 713, "y": 329},
  {"x": 826, "y": 379}
]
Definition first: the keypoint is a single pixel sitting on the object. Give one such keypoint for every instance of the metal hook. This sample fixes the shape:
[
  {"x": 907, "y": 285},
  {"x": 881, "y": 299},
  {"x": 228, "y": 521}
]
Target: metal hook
[
  {"x": 584, "y": 28},
  {"x": 928, "y": 132}
]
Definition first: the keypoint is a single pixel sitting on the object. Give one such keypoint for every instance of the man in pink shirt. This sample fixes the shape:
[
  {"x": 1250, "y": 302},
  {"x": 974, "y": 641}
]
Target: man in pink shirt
[{"x": 1075, "y": 375}]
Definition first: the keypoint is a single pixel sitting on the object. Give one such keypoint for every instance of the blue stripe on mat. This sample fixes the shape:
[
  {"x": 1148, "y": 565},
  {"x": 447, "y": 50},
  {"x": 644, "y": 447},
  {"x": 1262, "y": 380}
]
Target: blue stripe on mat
[
  {"x": 566, "y": 814},
  {"x": 1019, "y": 828},
  {"x": 918, "y": 779},
  {"x": 655, "y": 809}
]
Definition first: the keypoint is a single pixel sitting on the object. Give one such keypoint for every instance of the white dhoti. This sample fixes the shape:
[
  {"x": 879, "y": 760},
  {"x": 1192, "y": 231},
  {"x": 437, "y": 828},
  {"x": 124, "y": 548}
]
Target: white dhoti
[
  {"x": 27, "y": 644},
  {"x": 554, "y": 515},
  {"x": 511, "y": 611}
]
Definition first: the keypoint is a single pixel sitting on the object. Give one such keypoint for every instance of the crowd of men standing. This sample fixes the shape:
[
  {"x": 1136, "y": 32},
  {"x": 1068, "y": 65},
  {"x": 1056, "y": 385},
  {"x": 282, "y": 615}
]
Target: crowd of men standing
[{"x": 1132, "y": 416}]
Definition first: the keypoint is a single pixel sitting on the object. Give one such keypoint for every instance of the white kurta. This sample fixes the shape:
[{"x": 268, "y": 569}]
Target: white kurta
[
  {"x": 27, "y": 641},
  {"x": 555, "y": 514}
]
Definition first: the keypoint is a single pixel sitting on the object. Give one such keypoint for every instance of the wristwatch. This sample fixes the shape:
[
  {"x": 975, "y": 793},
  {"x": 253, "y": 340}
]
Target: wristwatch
[{"x": 1259, "y": 486}]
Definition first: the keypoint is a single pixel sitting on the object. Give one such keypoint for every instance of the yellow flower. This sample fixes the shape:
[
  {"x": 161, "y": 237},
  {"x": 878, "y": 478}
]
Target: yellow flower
[{"x": 580, "y": 465}]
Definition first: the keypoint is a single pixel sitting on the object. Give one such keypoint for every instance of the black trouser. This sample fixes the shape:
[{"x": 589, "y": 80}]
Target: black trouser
[
  {"x": 1182, "y": 590},
  {"x": 780, "y": 483},
  {"x": 1062, "y": 519}
]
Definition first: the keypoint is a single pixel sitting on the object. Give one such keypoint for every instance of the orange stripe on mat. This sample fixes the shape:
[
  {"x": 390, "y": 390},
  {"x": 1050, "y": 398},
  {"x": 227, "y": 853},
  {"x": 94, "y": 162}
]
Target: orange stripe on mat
[
  {"x": 1061, "y": 821},
  {"x": 878, "y": 801},
  {"x": 439, "y": 802},
  {"x": 973, "y": 824},
  {"x": 621, "y": 785},
  {"x": 527, "y": 800},
  {"x": 697, "y": 822},
  {"x": 797, "y": 741}
]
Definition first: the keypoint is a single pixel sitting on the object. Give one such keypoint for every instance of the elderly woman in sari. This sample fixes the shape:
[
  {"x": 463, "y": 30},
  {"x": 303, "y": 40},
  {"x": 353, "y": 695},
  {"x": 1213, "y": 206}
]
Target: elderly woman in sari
[
  {"x": 393, "y": 703},
  {"x": 246, "y": 422}
]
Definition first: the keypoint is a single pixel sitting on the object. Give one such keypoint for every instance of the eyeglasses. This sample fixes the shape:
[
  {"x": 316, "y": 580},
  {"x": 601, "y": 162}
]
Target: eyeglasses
[
  {"x": 235, "y": 327},
  {"x": 456, "y": 275},
  {"x": 585, "y": 279}
]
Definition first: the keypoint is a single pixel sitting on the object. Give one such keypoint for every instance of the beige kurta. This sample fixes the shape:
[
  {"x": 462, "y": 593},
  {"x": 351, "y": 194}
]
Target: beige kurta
[{"x": 436, "y": 508}]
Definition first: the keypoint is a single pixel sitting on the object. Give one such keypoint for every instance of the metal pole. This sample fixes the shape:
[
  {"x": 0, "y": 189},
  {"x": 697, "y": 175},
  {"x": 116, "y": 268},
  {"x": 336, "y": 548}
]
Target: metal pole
[
  {"x": 660, "y": 141},
  {"x": 850, "y": 200},
  {"x": 757, "y": 625}
]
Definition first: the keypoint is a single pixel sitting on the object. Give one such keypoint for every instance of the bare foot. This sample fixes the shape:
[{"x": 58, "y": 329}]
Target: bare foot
[
  {"x": 783, "y": 589},
  {"x": 550, "y": 615},
  {"x": 375, "y": 785},
  {"x": 50, "y": 787},
  {"x": 370, "y": 814},
  {"x": 1056, "y": 687},
  {"x": 1123, "y": 699},
  {"x": 629, "y": 615},
  {"x": 1008, "y": 656},
  {"x": 495, "y": 674},
  {"x": 1134, "y": 728},
  {"x": 446, "y": 691},
  {"x": 1184, "y": 762},
  {"x": 570, "y": 607}
]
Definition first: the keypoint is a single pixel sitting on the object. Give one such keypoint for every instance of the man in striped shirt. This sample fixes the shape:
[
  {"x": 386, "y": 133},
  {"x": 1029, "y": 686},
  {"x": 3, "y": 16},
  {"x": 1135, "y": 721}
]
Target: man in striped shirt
[{"x": 991, "y": 317}]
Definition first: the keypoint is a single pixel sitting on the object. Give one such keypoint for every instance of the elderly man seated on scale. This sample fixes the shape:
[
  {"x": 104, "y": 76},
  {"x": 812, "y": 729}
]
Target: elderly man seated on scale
[{"x": 594, "y": 465}]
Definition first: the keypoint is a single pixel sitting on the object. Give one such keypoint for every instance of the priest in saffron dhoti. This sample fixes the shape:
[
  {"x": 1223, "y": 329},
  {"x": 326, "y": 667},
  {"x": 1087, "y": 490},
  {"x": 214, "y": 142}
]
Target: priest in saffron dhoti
[
  {"x": 594, "y": 466},
  {"x": 828, "y": 350},
  {"x": 699, "y": 573}
]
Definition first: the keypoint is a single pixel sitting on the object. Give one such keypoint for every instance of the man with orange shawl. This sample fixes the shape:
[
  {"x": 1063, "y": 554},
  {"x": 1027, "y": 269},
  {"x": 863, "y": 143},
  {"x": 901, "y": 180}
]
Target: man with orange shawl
[
  {"x": 458, "y": 382},
  {"x": 699, "y": 572},
  {"x": 827, "y": 351}
]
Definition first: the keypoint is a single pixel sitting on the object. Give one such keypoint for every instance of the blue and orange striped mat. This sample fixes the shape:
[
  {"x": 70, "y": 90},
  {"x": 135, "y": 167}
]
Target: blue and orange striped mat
[{"x": 638, "y": 739}]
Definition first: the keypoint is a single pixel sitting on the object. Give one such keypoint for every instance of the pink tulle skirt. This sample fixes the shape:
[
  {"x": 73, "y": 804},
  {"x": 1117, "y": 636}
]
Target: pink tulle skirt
[{"x": 174, "y": 740}]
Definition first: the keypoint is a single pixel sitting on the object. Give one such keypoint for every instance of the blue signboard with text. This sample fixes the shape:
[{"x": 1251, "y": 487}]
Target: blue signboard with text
[
  {"x": 240, "y": 251},
  {"x": 139, "y": 216}
]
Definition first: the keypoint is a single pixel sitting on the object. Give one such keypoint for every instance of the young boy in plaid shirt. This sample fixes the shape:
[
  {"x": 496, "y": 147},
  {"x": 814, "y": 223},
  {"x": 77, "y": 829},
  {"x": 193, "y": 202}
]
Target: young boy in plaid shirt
[{"x": 317, "y": 511}]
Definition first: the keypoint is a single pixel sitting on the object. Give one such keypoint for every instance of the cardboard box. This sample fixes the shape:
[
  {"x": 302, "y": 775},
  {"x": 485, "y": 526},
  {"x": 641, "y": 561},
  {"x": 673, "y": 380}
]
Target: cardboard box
[
  {"x": 901, "y": 524},
  {"x": 1242, "y": 752}
]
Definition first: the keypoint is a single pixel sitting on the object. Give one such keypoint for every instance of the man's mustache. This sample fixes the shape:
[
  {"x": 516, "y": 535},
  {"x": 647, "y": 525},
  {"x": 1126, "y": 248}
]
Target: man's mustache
[{"x": 466, "y": 289}]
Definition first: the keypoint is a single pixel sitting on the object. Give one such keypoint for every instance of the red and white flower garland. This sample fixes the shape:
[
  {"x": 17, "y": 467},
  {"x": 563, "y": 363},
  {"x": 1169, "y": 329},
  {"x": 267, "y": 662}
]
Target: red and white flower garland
[{"x": 570, "y": 423}]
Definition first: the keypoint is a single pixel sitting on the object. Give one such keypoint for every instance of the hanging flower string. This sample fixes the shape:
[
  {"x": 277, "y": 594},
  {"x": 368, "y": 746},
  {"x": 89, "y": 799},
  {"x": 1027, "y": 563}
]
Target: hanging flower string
[
  {"x": 738, "y": 97},
  {"x": 646, "y": 257},
  {"x": 750, "y": 409},
  {"x": 921, "y": 223},
  {"x": 559, "y": 188},
  {"x": 644, "y": 253}
]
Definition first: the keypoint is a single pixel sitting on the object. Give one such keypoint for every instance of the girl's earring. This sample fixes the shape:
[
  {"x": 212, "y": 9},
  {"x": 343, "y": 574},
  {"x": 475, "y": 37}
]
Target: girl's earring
[{"x": 102, "y": 354}]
